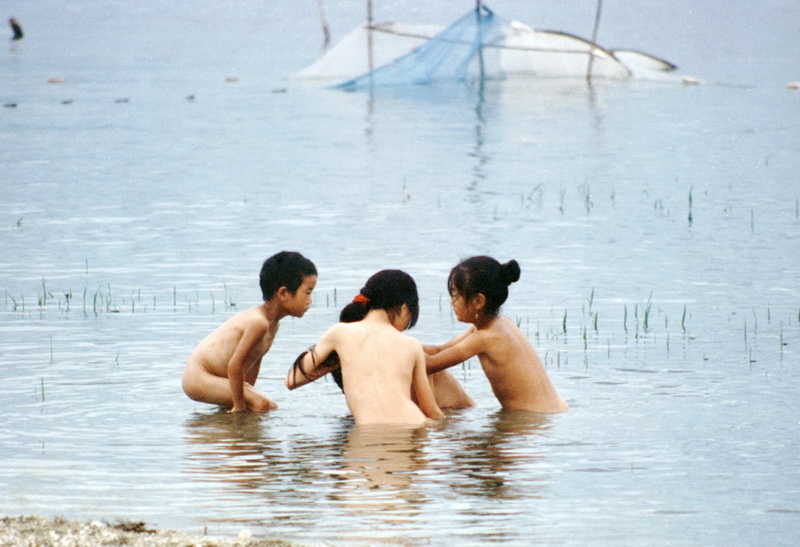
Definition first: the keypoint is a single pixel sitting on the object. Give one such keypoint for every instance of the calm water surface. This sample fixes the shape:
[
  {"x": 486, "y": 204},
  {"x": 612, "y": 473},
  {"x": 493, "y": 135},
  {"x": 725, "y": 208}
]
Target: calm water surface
[{"x": 657, "y": 227}]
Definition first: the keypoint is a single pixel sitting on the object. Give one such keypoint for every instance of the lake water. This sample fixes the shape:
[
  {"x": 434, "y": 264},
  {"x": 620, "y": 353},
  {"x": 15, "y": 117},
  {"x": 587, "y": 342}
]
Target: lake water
[{"x": 657, "y": 227}]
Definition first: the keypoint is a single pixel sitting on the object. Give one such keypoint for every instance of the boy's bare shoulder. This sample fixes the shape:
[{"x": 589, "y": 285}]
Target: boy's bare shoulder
[{"x": 250, "y": 317}]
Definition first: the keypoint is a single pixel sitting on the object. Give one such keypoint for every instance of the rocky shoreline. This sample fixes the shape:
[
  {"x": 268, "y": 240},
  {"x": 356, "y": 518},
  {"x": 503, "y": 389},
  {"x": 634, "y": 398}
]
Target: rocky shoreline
[{"x": 35, "y": 531}]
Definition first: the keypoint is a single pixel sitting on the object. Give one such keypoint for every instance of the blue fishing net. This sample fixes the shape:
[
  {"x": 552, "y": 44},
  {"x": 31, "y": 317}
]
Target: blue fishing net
[{"x": 466, "y": 50}]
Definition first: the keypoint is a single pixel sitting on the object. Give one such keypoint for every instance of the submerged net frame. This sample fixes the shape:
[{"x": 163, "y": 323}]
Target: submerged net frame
[{"x": 479, "y": 46}]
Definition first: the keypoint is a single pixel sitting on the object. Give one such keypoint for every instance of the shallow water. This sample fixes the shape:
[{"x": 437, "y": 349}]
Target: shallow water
[{"x": 657, "y": 228}]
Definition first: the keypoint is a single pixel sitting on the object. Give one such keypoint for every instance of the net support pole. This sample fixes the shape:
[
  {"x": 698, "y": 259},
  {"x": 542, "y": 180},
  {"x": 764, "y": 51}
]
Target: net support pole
[
  {"x": 594, "y": 40},
  {"x": 479, "y": 17},
  {"x": 326, "y": 29},
  {"x": 370, "y": 61}
]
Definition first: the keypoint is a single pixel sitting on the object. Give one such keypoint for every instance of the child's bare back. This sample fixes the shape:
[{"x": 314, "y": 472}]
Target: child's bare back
[{"x": 380, "y": 366}]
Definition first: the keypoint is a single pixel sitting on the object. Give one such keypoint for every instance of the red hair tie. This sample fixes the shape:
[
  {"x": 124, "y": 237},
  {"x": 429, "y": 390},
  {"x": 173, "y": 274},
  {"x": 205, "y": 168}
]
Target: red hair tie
[{"x": 361, "y": 299}]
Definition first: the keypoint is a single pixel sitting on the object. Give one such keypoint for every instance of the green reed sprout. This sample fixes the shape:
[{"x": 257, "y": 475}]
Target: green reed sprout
[
  {"x": 646, "y": 319},
  {"x": 683, "y": 320},
  {"x": 625, "y": 319}
]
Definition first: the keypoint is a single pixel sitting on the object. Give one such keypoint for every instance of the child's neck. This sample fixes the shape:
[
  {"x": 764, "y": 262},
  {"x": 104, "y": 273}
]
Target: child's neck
[
  {"x": 378, "y": 316},
  {"x": 483, "y": 321},
  {"x": 273, "y": 311}
]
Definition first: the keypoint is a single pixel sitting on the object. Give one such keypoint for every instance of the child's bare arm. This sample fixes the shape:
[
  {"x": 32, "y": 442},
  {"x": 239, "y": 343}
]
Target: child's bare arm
[
  {"x": 431, "y": 349},
  {"x": 469, "y": 345},
  {"x": 245, "y": 353},
  {"x": 314, "y": 363},
  {"x": 423, "y": 392}
]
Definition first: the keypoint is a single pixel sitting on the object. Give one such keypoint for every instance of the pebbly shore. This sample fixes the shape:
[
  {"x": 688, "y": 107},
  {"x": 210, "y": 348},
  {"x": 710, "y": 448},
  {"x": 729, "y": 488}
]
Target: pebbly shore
[{"x": 35, "y": 531}]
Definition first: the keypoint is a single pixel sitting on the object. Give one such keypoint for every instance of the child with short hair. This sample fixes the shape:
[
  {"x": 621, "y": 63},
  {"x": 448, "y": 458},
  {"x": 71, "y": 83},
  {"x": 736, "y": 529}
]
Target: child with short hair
[
  {"x": 223, "y": 368},
  {"x": 478, "y": 286},
  {"x": 379, "y": 364}
]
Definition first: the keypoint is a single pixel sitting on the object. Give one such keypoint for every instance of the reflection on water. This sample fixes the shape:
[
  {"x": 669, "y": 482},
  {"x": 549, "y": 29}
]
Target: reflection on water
[
  {"x": 377, "y": 470},
  {"x": 231, "y": 449},
  {"x": 372, "y": 482},
  {"x": 489, "y": 460},
  {"x": 355, "y": 469}
]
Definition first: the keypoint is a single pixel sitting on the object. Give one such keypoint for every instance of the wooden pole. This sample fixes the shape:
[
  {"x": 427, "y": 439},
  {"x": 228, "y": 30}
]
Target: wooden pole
[
  {"x": 326, "y": 30},
  {"x": 370, "y": 61},
  {"x": 594, "y": 40},
  {"x": 479, "y": 18}
]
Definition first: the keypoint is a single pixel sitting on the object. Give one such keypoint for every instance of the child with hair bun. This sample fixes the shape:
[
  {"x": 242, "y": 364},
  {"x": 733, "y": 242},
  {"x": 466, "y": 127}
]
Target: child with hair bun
[
  {"x": 478, "y": 286},
  {"x": 380, "y": 366}
]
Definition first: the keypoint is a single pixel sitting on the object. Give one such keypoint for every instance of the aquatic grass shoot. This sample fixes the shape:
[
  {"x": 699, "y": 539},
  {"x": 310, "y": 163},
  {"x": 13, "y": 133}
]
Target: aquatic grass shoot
[
  {"x": 38, "y": 390},
  {"x": 683, "y": 319},
  {"x": 625, "y": 318},
  {"x": 646, "y": 318},
  {"x": 653, "y": 326}
]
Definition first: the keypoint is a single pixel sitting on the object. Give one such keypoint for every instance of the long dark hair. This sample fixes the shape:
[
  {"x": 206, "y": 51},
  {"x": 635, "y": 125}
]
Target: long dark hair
[
  {"x": 484, "y": 275},
  {"x": 386, "y": 290}
]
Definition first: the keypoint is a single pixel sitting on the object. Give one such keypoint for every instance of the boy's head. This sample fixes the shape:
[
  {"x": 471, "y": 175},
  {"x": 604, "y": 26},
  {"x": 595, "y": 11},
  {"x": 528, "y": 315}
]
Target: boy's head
[{"x": 285, "y": 269}]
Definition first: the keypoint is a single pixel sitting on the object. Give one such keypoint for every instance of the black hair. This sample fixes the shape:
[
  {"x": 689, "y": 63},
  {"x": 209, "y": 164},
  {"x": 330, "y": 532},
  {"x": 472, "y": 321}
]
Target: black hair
[
  {"x": 385, "y": 290},
  {"x": 285, "y": 269},
  {"x": 484, "y": 275}
]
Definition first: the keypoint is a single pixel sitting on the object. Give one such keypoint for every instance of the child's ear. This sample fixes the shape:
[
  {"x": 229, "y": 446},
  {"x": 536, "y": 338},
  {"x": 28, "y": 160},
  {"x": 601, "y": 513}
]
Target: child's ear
[
  {"x": 479, "y": 301},
  {"x": 407, "y": 310},
  {"x": 407, "y": 314},
  {"x": 283, "y": 293}
]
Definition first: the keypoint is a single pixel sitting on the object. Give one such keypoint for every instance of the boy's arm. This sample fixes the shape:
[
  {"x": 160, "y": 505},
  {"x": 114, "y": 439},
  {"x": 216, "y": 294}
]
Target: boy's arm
[
  {"x": 470, "y": 345},
  {"x": 250, "y": 339},
  {"x": 430, "y": 349},
  {"x": 423, "y": 392},
  {"x": 314, "y": 363}
]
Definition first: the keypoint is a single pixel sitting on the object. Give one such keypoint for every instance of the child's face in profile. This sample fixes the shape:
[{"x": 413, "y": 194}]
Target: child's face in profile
[
  {"x": 300, "y": 301},
  {"x": 460, "y": 307}
]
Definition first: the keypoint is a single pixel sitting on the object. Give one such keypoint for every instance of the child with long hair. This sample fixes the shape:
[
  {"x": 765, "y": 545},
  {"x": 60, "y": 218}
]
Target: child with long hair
[
  {"x": 478, "y": 286},
  {"x": 379, "y": 364}
]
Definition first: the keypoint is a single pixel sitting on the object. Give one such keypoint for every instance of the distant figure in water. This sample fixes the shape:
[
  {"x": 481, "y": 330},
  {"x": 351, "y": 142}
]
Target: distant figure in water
[{"x": 16, "y": 28}]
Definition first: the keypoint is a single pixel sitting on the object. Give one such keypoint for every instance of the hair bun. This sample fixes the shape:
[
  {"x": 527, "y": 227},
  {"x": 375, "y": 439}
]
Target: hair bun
[{"x": 511, "y": 272}]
